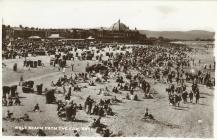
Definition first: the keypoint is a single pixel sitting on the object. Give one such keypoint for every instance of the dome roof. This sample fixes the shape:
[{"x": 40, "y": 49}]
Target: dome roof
[{"x": 118, "y": 26}]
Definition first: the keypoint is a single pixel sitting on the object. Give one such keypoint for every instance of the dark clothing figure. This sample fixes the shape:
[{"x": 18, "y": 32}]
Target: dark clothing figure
[
  {"x": 50, "y": 97},
  {"x": 146, "y": 112},
  {"x": 76, "y": 133},
  {"x": 90, "y": 107},
  {"x": 184, "y": 96},
  {"x": 72, "y": 67},
  {"x": 39, "y": 88},
  {"x": 15, "y": 67},
  {"x": 148, "y": 115},
  {"x": 9, "y": 114},
  {"x": 98, "y": 121},
  {"x": 197, "y": 96},
  {"x": 106, "y": 133},
  {"x": 21, "y": 80},
  {"x": 80, "y": 107},
  {"x": 6, "y": 91},
  {"x": 10, "y": 102},
  {"x": 25, "y": 117},
  {"x": 68, "y": 109},
  {"x": 41, "y": 133},
  {"x": 13, "y": 90},
  {"x": 96, "y": 110},
  {"x": 191, "y": 95},
  {"x": 101, "y": 112},
  {"x": 36, "y": 108},
  {"x": 128, "y": 96},
  {"x": 88, "y": 103},
  {"x": 70, "y": 91}
]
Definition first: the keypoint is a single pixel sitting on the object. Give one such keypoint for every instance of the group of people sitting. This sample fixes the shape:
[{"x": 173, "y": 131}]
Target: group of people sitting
[
  {"x": 101, "y": 129},
  {"x": 104, "y": 91},
  {"x": 67, "y": 110},
  {"x": 10, "y": 117},
  {"x": 102, "y": 108}
]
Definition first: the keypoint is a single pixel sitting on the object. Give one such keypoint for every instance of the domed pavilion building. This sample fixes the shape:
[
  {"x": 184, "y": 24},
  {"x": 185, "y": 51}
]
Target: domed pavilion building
[
  {"x": 118, "y": 26},
  {"x": 119, "y": 32}
]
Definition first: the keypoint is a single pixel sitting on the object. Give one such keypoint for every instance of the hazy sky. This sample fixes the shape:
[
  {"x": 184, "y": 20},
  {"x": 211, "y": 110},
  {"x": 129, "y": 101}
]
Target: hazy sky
[{"x": 84, "y": 14}]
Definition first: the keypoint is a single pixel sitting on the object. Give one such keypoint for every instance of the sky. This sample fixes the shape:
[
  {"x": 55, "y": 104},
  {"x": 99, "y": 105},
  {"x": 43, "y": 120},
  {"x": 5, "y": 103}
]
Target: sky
[{"x": 166, "y": 15}]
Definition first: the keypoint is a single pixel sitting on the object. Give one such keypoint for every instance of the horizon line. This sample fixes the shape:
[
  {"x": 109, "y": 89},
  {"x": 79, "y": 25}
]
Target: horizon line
[{"x": 106, "y": 28}]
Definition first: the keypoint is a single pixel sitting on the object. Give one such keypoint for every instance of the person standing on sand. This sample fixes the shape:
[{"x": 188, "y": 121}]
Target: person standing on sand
[
  {"x": 21, "y": 80},
  {"x": 197, "y": 96},
  {"x": 15, "y": 67},
  {"x": 59, "y": 67},
  {"x": 191, "y": 95},
  {"x": 72, "y": 65}
]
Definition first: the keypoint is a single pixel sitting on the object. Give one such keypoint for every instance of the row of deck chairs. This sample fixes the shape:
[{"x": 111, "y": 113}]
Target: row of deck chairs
[{"x": 32, "y": 64}]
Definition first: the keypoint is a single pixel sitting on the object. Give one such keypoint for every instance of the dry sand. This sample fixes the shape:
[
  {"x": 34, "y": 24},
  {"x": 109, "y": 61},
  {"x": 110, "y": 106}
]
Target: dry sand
[{"x": 171, "y": 121}]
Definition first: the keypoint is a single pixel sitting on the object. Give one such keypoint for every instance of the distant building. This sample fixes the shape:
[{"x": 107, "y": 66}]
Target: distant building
[
  {"x": 118, "y": 32},
  {"x": 12, "y": 33}
]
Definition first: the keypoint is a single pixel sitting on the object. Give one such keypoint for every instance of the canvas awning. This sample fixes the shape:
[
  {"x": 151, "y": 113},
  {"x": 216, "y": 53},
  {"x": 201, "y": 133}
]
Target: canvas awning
[
  {"x": 71, "y": 39},
  {"x": 34, "y": 37},
  {"x": 55, "y": 36},
  {"x": 90, "y": 38}
]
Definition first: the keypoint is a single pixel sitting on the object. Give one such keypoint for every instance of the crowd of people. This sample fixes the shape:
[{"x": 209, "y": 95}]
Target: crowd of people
[{"x": 168, "y": 64}]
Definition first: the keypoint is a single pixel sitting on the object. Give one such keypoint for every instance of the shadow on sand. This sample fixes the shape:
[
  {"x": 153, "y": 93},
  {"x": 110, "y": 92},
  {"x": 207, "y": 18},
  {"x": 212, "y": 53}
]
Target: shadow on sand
[
  {"x": 82, "y": 121},
  {"x": 180, "y": 109},
  {"x": 162, "y": 123}
]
